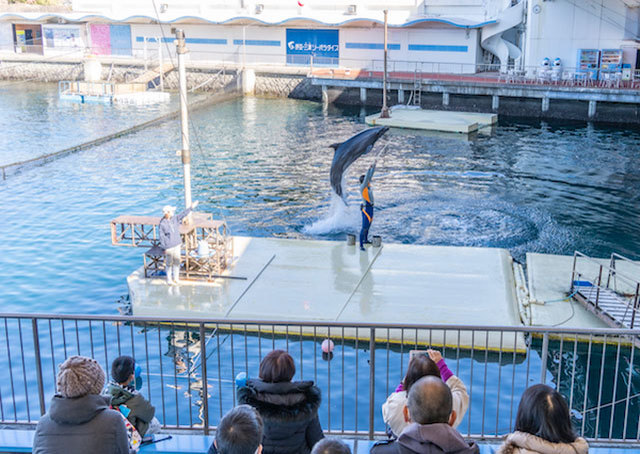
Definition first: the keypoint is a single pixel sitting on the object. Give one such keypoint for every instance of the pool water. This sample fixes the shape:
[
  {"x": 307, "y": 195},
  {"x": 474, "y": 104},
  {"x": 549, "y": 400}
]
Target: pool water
[
  {"x": 54, "y": 124},
  {"x": 263, "y": 166}
]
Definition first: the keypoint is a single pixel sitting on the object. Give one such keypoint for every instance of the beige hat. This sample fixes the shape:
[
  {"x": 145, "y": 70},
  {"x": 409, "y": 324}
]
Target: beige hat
[
  {"x": 168, "y": 209},
  {"x": 79, "y": 376}
]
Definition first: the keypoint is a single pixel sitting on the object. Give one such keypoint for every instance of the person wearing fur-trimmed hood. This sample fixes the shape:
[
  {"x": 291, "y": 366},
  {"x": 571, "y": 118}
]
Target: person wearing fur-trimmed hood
[
  {"x": 543, "y": 425},
  {"x": 289, "y": 409}
]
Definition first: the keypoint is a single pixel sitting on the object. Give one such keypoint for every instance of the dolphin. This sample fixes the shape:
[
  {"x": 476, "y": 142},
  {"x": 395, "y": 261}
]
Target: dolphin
[{"x": 348, "y": 151}]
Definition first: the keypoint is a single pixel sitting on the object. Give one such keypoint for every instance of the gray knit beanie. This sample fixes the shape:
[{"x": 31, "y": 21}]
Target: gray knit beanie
[{"x": 79, "y": 376}]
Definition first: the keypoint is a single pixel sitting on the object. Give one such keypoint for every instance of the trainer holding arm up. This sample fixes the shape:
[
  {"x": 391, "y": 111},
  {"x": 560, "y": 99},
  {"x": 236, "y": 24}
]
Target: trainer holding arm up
[
  {"x": 367, "y": 205},
  {"x": 170, "y": 240}
]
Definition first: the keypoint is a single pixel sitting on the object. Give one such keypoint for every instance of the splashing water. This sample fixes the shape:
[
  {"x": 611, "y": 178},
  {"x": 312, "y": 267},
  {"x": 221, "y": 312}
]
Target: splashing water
[{"x": 339, "y": 218}]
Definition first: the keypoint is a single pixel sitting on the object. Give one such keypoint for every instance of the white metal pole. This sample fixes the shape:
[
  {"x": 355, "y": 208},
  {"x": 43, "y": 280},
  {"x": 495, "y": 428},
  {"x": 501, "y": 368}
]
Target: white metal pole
[
  {"x": 161, "y": 63},
  {"x": 385, "y": 110},
  {"x": 144, "y": 53},
  {"x": 244, "y": 47},
  {"x": 184, "y": 116}
]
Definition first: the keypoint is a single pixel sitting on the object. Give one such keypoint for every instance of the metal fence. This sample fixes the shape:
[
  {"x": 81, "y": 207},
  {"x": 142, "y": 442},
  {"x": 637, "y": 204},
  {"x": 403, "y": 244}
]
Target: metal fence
[{"x": 190, "y": 365}]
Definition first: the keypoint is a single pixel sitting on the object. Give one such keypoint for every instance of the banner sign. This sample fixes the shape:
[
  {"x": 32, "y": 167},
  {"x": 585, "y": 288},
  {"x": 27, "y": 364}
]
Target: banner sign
[
  {"x": 323, "y": 45},
  {"x": 62, "y": 36}
]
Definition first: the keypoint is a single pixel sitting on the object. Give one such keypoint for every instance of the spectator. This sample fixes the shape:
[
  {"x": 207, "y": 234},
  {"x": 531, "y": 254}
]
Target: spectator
[
  {"x": 430, "y": 414},
  {"x": 543, "y": 425},
  {"x": 126, "y": 398},
  {"x": 331, "y": 446},
  {"x": 239, "y": 432},
  {"x": 420, "y": 366},
  {"x": 79, "y": 420},
  {"x": 289, "y": 409}
]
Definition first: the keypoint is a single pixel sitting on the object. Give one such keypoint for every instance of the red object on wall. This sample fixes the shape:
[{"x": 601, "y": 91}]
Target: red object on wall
[
  {"x": 100, "y": 39},
  {"x": 300, "y": 3}
]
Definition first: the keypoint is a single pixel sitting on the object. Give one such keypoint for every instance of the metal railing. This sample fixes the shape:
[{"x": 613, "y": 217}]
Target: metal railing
[
  {"x": 190, "y": 365},
  {"x": 149, "y": 53},
  {"x": 614, "y": 294}
]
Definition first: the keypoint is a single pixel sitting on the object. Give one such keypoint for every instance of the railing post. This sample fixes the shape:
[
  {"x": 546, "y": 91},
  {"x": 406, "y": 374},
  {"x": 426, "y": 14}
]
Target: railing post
[
  {"x": 599, "y": 284},
  {"x": 372, "y": 379},
  {"x": 612, "y": 266},
  {"x": 573, "y": 272},
  {"x": 205, "y": 387},
  {"x": 36, "y": 348},
  {"x": 545, "y": 353},
  {"x": 635, "y": 305}
]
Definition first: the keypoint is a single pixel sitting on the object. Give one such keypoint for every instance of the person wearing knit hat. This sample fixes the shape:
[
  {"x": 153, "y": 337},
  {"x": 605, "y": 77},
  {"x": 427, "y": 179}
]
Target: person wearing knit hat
[
  {"x": 125, "y": 396},
  {"x": 79, "y": 376},
  {"x": 79, "y": 419}
]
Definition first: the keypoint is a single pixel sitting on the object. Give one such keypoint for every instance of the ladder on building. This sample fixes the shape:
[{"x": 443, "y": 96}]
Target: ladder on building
[
  {"x": 416, "y": 95},
  {"x": 610, "y": 294}
]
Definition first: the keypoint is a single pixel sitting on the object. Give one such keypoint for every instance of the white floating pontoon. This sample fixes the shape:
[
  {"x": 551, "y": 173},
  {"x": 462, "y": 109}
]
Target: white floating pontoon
[{"x": 278, "y": 279}]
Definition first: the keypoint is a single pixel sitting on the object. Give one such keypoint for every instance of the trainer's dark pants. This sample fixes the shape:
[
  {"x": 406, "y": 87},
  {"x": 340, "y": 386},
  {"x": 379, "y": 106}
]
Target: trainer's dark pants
[{"x": 367, "y": 219}]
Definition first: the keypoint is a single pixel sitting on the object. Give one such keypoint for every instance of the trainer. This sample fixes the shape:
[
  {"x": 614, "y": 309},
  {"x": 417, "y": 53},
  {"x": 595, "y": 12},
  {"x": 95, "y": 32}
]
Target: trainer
[
  {"x": 367, "y": 205},
  {"x": 170, "y": 240}
]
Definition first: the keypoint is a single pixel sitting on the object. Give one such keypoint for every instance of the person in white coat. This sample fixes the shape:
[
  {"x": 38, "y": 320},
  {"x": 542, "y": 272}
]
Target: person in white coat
[{"x": 420, "y": 366}]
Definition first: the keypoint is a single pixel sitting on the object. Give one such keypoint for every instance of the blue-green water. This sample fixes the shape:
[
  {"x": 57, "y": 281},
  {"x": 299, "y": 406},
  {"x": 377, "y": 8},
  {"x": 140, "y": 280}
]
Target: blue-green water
[
  {"x": 263, "y": 166},
  {"x": 35, "y": 122}
]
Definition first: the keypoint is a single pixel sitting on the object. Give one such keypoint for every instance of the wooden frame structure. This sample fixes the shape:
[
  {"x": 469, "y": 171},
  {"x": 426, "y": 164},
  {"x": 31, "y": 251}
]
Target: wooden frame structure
[{"x": 142, "y": 231}]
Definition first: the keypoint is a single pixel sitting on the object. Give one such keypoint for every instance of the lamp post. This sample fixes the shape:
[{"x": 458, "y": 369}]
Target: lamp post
[
  {"x": 184, "y": 116},
  {"x": 385, "y": 110}
]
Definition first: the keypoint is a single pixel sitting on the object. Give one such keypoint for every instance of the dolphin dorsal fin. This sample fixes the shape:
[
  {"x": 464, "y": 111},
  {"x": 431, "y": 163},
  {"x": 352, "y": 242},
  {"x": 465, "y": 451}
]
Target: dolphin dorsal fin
[{"x": 335, "y": 145}]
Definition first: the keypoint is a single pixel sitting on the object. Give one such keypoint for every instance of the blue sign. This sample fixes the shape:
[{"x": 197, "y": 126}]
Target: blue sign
[{"x": 323, "y": 45}]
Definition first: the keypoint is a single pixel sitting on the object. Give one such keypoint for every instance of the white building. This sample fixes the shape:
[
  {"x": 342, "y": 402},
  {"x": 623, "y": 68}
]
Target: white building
[{"x": 460, "y": 36}]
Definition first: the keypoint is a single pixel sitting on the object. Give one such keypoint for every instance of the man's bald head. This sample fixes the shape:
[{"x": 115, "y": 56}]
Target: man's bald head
[{"x": 430, "y": 401}]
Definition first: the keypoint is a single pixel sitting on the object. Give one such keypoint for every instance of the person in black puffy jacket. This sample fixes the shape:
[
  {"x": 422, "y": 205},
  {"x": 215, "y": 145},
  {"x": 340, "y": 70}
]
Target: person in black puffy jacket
[{"x": 289, "y": 409}]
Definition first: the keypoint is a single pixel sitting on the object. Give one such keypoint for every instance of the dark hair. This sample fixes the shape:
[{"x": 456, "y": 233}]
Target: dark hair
[
  {"x": 544, "y": 413},
  {"x": 240, "y": 431},
  {"x": 277, "y": 367},
  {"x": 430, "y": 401},
  {"x": 361, "y": 179},
  {"x": 419, "y": 366},
  {"x": 331, "y": 446},
  {"x": 122, "y": 368}
]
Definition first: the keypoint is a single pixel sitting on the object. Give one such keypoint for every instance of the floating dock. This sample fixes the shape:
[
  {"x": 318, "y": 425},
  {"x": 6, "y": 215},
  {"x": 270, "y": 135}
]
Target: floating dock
[
  {"x": 134, "y": 92},
  {"x": 433, "y": 120},
  {"x": 278, "y": 279}
]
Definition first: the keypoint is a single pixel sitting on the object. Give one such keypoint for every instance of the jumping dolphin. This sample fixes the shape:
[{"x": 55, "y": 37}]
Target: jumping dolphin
[{"x": 347, "y": 152}]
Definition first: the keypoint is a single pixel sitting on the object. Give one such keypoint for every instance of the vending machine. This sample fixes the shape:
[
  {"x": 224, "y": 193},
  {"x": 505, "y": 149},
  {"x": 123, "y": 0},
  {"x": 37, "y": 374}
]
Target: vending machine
[
  {"x": 588, "y": 61},
  {"x": 610, "y": 61}
]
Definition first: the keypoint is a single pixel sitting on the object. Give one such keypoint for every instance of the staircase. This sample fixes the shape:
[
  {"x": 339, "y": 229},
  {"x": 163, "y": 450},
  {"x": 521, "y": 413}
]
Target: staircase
[
  {"x": 152, "y": 74},
  {"x": 492, "y": 40}
]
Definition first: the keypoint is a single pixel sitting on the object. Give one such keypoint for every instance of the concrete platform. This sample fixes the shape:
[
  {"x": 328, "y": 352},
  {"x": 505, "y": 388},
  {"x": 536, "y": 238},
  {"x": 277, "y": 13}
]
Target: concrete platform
[
  {"x": 549, "y": 278},
  {"x": 433, "y": 120},
  {"x": 280, "y": 279}
]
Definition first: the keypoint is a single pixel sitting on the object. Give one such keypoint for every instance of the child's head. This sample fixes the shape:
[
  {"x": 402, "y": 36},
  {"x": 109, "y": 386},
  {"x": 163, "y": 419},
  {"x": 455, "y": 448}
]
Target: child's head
[
  {"x": 123, "y": 369},
  {"x": 331, "y": 446},
  {"x": 544, "y": 413},
  {"x": 277, "y": 367},
  {"x": 419, "y": 366}
]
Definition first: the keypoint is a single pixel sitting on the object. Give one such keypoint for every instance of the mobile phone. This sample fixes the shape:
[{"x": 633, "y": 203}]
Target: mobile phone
[{"x": 414, "y": 353}]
